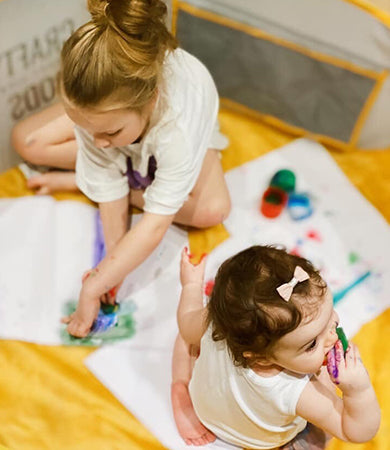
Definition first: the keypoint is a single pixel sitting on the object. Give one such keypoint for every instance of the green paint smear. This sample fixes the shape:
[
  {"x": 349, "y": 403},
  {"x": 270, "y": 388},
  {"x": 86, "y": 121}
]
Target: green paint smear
[
  {"x": 353, "y": 257},
  {"x": 124, "y": 329}
]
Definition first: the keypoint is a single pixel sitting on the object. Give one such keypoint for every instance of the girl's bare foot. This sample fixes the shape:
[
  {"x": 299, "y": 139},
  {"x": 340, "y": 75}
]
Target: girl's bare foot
[
  {"x": 189, "y": 426},
  {"x": 50, "y": 182}
]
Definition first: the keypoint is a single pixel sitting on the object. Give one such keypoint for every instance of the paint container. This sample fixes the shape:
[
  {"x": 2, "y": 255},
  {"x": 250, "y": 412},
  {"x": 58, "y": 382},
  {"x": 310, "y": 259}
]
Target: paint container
[
  {"x": 299, "y": 206},
  {"x": 284, "y": 179},
  {"x": 343, "y": 338},
  {"x": 273, "y": 202}
]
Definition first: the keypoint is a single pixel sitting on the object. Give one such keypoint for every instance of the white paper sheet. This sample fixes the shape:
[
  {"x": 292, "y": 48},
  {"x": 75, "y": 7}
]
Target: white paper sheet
[{"x": 46, "y": 246}]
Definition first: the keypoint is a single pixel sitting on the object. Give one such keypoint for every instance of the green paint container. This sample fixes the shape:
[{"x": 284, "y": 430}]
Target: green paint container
[{"x": 284, "y": 179}]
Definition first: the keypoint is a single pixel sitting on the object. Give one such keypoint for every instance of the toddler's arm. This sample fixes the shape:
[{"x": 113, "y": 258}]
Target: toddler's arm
[
  {"x": 356, "y": 416},
  {"x": 191, "y": 314}
]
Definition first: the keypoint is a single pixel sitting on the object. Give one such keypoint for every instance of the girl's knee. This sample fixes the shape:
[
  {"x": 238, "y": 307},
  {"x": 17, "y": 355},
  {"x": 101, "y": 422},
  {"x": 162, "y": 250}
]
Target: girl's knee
[
  {"x": 18, "y": 138},
  {"x": 26, "y": 145},
  {"x": 213, "y": 213}
]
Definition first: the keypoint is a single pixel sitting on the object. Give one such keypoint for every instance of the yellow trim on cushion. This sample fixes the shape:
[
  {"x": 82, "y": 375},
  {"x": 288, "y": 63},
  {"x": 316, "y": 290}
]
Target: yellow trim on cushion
[
  {"x": 367, "y": 108},
  {"x": 213, "y": 17},
  {"x": 175, "y": 10},
  {"x": 378, "y": 13}
]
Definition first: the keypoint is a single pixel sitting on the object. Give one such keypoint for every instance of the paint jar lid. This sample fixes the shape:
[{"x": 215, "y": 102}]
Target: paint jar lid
[
  {"x": 284, "y": 179},
  {"x": 299, "y": 206}
]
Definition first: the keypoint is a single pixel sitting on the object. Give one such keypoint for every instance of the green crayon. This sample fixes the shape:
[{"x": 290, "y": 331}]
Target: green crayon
[{"x": 343, "y": 338}]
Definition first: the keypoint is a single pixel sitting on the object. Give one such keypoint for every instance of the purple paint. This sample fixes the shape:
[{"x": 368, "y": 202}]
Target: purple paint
[
  {"x": 104, "y": 322},
  {"x": 136, "y": 181},
  {"x": 331, "y": 365},
  {"x": 99, "y": 247}
]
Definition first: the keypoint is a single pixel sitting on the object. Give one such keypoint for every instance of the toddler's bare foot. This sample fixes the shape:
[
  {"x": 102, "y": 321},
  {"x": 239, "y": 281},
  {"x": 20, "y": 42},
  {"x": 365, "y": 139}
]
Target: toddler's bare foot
[
  {"x": 51, "y": 182},
  {"x": 189, "y": 426}
]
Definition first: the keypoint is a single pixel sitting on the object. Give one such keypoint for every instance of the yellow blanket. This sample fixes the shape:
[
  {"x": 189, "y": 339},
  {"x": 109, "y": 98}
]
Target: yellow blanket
[{"x": 49, "y": 400}]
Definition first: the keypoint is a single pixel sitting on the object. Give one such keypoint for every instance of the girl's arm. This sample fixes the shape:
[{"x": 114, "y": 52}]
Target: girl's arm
[
  {"x": 191, "y": 314},
  {"x": 356, "y": 416},
  {"x": 114, "y": 216},
  {"x": 128, "y": 253}
]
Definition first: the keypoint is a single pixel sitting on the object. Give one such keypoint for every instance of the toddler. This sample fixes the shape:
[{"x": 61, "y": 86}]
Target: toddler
[{"x": 260, "y": 376}]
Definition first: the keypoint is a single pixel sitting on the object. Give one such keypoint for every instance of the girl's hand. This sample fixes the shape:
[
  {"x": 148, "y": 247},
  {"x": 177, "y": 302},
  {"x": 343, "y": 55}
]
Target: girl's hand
[
  {"x": 80, "y": 322},
  {"x": 108, "y": 298},
  {"x": 191, "y": 273},
  {"x": 348, "y": 372}
]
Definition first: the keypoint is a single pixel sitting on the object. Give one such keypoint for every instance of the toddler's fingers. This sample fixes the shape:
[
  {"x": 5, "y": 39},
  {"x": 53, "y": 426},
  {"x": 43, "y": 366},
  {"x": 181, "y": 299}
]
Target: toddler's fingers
[
  {"x": 331, "y": 365},
  {"x": 203, "y": 259},
  {"x": 352, "y": 355},
  {"x": 184, "y": 254},
  {"x": 339, "y": 352},
  {"x": 358, "y": 355}
]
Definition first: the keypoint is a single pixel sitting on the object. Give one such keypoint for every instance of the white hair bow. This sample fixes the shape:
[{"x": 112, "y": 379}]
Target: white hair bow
[{"x": 285, "y": 290}]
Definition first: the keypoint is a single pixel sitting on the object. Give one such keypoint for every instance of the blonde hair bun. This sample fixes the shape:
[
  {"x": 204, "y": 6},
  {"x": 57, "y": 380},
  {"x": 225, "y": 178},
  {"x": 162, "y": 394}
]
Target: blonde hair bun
[{"x": 123, "y": 46}]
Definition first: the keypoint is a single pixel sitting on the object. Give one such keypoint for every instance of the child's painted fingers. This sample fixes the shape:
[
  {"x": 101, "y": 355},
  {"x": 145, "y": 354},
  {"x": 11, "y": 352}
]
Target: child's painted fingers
[
  {"x": 331, "y": 365},
  {"x": 184, "y": 255},
  {"x": 335, "y": 362},
  {"x": 358, "y": 355},
  {"x": 352, "y": 356},
  {"x": 67, "y": 319},
  {"x": 77, "y": 330},
  {"x": 203, "y": 259},
  {"x": 339, "y": 354}
]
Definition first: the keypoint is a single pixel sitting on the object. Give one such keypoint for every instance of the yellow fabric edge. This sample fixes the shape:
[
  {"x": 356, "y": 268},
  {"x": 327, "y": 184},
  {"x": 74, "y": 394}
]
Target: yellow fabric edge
[
  {"x": 378, "y": 13},
  {"x": 213, "y": 17},
  {"x": 367, "y": 108}
]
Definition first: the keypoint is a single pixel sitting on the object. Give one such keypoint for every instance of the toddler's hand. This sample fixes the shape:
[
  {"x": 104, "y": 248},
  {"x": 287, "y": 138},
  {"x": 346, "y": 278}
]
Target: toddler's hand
[
  {"x": 191, "y": 273},
  {"x": 348, "y": 371}
]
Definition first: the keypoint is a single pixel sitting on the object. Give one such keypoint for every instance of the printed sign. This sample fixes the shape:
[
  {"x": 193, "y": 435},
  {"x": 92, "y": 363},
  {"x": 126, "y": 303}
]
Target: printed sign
[{"x": 31, "y": 38}]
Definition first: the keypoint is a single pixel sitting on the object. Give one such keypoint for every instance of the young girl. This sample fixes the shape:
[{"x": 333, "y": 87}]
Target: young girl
[
  {"x": 263, "y": 338},
  {"x": 141, "y": 128}
]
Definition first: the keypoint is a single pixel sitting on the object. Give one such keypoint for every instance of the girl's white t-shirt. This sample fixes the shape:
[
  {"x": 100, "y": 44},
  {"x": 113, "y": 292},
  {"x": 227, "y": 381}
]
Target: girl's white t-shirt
[
  {"x": 240, "y": 406},
  {"x": 182, "y": 127}
]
